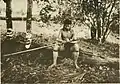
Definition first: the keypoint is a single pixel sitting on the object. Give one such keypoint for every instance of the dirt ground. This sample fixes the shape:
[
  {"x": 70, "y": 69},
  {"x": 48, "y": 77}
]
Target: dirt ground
[{"x": 98, "y": 63}]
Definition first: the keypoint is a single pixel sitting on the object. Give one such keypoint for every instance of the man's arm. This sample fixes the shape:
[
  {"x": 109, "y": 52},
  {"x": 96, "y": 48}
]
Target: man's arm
[
  {"x": 73, "y": 36},
  {"x": 59, "y": 39},
  {"x": 73, "y": 39}
]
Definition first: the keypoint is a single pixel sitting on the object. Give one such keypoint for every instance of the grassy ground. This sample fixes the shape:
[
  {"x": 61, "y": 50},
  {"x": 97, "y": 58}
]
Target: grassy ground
[{"x": 98, "y": 63}]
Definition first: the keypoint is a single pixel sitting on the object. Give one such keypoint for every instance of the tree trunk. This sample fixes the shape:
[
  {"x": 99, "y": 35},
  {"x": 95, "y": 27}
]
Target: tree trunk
[
  {"x": 29, "y": 16},
  {"x": 108, "y": 22},
  {"x": 99, "y": 28},
  {"x": 59, "y": 2},
  {"x": 93, "y": 33},
  {"x": 8, "y": 14}
]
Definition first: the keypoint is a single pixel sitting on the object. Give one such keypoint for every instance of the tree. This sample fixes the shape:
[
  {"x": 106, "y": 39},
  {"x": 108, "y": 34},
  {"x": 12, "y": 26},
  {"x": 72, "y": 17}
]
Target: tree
[{"x": 98, "y": 15}]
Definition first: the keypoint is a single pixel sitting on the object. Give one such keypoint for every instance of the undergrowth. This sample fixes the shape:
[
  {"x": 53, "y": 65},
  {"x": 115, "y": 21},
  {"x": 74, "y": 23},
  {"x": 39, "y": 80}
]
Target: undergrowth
[{"x": 32, "y": 67}]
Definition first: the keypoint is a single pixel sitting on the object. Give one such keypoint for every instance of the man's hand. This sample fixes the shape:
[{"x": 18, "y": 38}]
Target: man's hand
[
  {"x": 61, "y": 41},
  {"x": 73, "y": 41},
  {"x": 67, "y": 40}
]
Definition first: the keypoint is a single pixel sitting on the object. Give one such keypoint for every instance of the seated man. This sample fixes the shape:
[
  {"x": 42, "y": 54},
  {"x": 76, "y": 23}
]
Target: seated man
[{"x": 66, "y": 36}]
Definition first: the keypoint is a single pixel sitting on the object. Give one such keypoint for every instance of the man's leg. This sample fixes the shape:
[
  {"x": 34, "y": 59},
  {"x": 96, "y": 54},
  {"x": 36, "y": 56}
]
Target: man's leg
[
  {"x": 55, "y": 55},
  {"x": 75, "y": 54}
]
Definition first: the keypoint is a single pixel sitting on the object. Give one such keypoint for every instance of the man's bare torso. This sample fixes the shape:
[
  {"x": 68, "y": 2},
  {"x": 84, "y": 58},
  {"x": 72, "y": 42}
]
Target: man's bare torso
[{"x": 66, "y": 34}]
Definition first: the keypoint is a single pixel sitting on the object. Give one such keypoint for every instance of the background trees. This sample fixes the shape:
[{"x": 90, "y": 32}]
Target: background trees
[{"x": 101, "y": 16}]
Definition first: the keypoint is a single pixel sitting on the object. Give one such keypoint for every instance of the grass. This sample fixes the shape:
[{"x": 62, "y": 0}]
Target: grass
[{"x": 32, "y": 67}]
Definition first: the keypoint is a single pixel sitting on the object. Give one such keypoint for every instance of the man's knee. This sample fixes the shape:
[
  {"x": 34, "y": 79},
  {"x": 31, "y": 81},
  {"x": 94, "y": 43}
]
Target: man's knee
[
  {"x": 55, "y": 47},
  {"x": 75, "y": 48}
]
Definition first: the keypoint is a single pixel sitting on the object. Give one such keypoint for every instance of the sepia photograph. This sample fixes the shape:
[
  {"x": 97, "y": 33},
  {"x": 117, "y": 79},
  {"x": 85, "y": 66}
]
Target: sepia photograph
[{"x": 59, "y": 41}]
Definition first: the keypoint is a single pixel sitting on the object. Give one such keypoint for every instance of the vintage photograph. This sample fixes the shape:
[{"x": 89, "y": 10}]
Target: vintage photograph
[{"x": 59, "y": 41}]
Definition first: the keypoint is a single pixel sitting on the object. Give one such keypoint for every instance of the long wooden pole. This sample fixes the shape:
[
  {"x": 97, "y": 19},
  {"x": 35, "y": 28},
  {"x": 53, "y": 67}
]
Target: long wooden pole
[{"x": 25, "y": 51}]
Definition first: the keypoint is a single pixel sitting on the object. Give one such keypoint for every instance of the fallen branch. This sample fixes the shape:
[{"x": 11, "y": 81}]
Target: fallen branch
[
  {"x": 79, "y": 77},
  {"x": 25, "y": 51},
  {"x": 74, "y": 76}
]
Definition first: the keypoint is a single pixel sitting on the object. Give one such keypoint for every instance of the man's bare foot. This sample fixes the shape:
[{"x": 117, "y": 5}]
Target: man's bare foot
[
  {"x": 76, "y": 66},
  {"x": 51, "y": 66}
]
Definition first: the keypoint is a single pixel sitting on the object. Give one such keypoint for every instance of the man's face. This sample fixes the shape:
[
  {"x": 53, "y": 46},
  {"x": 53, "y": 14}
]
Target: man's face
[{"x": 68, "y": 26}]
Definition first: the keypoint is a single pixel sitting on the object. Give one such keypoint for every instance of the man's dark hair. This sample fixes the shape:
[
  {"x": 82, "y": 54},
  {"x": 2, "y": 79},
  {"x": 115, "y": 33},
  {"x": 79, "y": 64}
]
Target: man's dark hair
[{"x": 67, "y": 21}]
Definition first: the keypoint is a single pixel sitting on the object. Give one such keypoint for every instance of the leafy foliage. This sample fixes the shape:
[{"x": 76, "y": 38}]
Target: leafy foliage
[{"x": 100, "y": 14}]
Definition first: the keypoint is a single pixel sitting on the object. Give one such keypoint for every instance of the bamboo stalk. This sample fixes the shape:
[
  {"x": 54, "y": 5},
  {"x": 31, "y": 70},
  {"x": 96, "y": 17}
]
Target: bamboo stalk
[
  {"x": 29, "y": 16},
  {"x": 8, "y": 14}
]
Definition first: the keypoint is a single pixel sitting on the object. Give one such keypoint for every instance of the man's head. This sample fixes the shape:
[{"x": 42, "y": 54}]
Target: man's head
[{"x": 67, "y": 24}]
